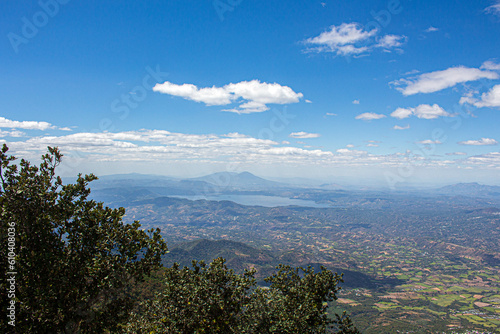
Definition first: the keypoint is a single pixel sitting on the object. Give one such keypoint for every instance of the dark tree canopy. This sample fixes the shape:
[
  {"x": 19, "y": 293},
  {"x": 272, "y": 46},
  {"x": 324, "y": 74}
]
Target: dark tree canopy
[{"x": 213, "y": 299}]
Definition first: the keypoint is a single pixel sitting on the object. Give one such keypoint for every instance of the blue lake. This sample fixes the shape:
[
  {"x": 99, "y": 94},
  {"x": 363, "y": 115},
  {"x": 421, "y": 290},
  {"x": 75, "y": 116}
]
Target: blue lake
[{"x": 260, "y": 200}]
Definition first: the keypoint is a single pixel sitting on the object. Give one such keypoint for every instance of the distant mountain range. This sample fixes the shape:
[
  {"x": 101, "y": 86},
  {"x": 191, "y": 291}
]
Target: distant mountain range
[
  {"x": 222, "y": 180},
  {"x": 122, "y": 189},
  {"x": 243, "y": 180},
  {"x": 226, "y": 181},
  {"x": 473, "y": 189}
]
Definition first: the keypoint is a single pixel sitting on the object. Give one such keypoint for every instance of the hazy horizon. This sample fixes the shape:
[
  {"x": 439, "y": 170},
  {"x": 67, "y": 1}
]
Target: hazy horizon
[{"x": 358, "y": 183}]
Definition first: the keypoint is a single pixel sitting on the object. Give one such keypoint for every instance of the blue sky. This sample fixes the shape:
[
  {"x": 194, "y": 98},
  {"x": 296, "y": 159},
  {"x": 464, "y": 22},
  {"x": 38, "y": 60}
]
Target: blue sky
[{"x": 390, "y": 92}]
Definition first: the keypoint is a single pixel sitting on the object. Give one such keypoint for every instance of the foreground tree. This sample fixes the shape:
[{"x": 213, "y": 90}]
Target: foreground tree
[
  {"x": 297, "y": 302},
  {"x": 74, "y": 258},
  {"x": 213, "y": 299},
  {"x": 206, "y": 299}
]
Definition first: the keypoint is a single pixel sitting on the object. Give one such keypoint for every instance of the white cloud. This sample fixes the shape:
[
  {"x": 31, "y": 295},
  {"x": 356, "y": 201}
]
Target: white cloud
[
  {"x": 397, "y": 127},
  {"x": 355, "y": 102},
  {"x": 256, "y": 95},
  {"x": 371, "y": 145},
  {"x": 263, "y": 93},
  {"x": 160, "y": 145},
  {"x": 330, "y": 114},
  {"x": 491, "y": 159},
  {"x": 494, "y": 9},
  {"x": 390, "y": 41},
  {"x": 456, "y": 153},
  {"x": 439, "y": 80},
  {"x": 349, "y": 146},
  {"x": 345, "y": 34},
  {"x": 490, "y": 65},
  {"x": 346, "y": 151},
  {"x": 401, "y": 113},
  {"x": 294, "y": 151},
  {"x": 28, "y": 125},
  {"x": 210, "y": 96},
  {"x": 13, "y": 133},
  {"x": 304, "y": 135},
  {"x": 368, "y": 116},
  {"x": 429, "y": 142},
  {"x": 351, "y": 39},
  {"x": 480, "y": 142},
  {"x": 431, "y": 29},
  {"x": 308, "y": 101},
  {"x": 412, "y": 72},
  {"x": 148, "y": 148},
  {"x": 424, "y": 111},
  {"x": 488, "y": 99}
]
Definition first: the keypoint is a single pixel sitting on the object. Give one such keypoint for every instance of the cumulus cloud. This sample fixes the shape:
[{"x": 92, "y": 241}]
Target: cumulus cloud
[
  {"x": 13, "y": 133},
  {"x": 341, "y": 39},
  {"x": 491, "y": 159},
  {"x": 424, "y": 111},
  {"x": 401, "y": 113},
  {"x": 149, "y": 147},
  {"x": 431, "y": 29},
  {"x": 346, "y": 151},
  {"x": 390, "y": 41},
  {"x": 368, "y": 116},
  {"x": 210, "y": 96},
  {"x": 480, "y": 142},
  {"x": 439, "y": 80},
  {"x": 490, "y": 65},
  {"x": 429, "y": 142},
  {"x": 427, "y": 111},
  {"x": 456, "y": 153},
  {"x": 355, "y": 102},
  {"x": 28, "y": 125},
  {"x": 397, "y": 127},
  {"x": 304, "y": 135},
  {"x": 351, "y": 39},
  {"x": 156, "y": 145},
  {"x": 488, "y": 99},
  {"x": 253, "y": 96},
  {"x": 295, "y": 151}
]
